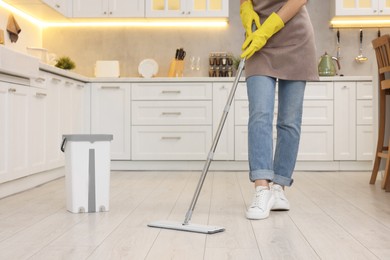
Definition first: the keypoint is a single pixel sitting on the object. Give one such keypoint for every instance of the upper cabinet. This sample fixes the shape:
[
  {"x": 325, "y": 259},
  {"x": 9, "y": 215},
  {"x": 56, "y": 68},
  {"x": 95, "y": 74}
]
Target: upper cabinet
[
  {"x": 186, "y": 8},
  {"x": 362, "y": 7},
  {"x": 61, "y": 6},
  {"x": 108, "y": 8}
]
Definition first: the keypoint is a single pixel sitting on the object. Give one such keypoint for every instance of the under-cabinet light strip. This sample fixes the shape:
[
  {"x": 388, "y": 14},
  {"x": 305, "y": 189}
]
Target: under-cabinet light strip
[{"x": 186, "y": 22}]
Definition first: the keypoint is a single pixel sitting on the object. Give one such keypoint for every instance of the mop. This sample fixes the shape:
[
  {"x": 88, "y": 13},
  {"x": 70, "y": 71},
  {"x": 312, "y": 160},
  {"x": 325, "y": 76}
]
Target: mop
[{"x": 186, "y": 225}]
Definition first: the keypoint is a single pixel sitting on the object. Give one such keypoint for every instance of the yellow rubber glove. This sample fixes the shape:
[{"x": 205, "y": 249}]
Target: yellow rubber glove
[
  {"x": 258, "y": 39},
  {"x": 248, "y": 16}
]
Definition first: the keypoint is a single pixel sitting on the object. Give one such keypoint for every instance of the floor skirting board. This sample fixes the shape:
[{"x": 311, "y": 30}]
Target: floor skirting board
[{"x": 234, "y": 166}]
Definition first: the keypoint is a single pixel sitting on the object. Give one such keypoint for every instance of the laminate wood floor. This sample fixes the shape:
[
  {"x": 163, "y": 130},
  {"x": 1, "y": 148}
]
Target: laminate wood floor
[{"x": 334, "y": 215}]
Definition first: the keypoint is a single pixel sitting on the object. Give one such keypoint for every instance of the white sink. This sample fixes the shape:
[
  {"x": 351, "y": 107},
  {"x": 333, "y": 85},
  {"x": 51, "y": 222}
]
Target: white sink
[{"x": 18, "y": 64}]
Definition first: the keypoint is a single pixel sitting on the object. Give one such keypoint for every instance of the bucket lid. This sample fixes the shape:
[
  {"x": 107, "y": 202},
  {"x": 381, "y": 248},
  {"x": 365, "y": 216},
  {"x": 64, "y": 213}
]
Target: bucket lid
[{"x": 87, "y": 138}]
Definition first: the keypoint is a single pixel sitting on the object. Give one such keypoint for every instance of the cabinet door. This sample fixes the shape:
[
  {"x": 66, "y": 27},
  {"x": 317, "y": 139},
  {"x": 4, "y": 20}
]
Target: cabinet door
[
  {"x": 37, "y": 129},
  {"x": 3, "y": 129},
  {"x": 225, "y": 147},
  {"x": 345, "y": 121},
  {"x": 126, "y": 8},
  {"x": 18, "y": 106},
  {"x": 364, "y": 143},
  {"x": 110, "y": 114},
  {"x": 208, "y": 8},
  {"x": 60, "y": 6},
  {"x": 164, "y": 8},
  {"x": 384, "y": 7},
  {"x": 108, "y": 8},
  {"x": 90, "y": 8},
  {"x": 187, "y": 8},
  {"x": 54, "y": 156},
  {"x": 79, "y": 114},
  {"x": 357, "y": 7}
]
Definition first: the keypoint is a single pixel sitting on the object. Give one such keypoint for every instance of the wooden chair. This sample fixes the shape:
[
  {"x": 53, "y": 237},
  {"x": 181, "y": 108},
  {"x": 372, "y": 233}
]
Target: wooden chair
[{"x": 382, "y": 51}]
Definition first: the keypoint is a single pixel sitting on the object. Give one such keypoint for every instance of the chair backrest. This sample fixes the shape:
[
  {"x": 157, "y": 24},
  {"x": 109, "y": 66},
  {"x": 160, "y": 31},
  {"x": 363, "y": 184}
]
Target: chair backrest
[{"x": 382, "y": 51}]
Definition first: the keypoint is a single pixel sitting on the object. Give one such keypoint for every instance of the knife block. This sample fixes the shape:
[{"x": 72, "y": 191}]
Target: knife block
[{"x": 176, "y": 68}]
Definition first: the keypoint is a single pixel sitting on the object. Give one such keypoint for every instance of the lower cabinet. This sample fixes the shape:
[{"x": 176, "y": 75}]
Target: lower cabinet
[
  {"x": 171, "y": 121},
  {"x": 176, "y": 121},
  {"x": 33, "y": 118},
  {"x": 110, "y": 114}
]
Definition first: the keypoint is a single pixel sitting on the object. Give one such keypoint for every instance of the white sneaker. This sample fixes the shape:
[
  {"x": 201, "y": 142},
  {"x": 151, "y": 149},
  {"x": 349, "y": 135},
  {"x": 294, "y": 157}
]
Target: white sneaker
[
  {"x": 263, "y": 200},
  {"x": 281, "y": 202}
]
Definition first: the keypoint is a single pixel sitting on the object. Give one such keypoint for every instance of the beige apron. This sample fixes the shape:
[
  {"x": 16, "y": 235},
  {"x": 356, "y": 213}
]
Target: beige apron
[{"x": 290, "y": 54}]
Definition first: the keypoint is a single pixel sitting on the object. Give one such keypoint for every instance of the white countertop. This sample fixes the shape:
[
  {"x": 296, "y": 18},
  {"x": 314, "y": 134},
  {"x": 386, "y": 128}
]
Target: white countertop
[{"x": 76, "y": 76}]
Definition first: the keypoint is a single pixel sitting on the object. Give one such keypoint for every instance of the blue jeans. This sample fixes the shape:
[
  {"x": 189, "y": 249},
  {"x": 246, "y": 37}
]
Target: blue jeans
[{"x": 263, "y": 163}]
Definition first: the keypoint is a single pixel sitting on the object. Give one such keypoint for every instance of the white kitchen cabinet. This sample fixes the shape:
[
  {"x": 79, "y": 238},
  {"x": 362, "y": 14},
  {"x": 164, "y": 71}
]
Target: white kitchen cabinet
[
  {"x": 4, "y": 98},
  {"x": 225, "y": 147},
  {"x": 186, "y": 8},
  {"x": 61, "y": 6},
  {"x": 54, "y": 156},
  {"x": 171, "y": 121},
  {"x": 317, "y": 123},
  {"x": 37, "y": 135},
  {"x": 364, "y": 121},
  {"x": 110, "y": 114},
  {"x": 14, "y": 130},
  {"x": 345, "y": 121},
  {"x": 108, "y": 8},
  {"x": 362, "y": 7}
]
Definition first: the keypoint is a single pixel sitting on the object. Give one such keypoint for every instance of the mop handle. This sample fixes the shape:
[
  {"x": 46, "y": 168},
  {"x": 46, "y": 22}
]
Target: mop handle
[{"x": 215, "y": 142}]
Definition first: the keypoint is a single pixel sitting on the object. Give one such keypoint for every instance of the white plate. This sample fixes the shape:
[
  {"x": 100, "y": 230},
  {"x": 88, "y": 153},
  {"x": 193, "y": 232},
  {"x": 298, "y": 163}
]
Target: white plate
[{"x": 148, "y": 68}]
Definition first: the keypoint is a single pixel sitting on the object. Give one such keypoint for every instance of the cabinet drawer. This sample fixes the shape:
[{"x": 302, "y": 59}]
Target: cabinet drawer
[
  {"x": 364, "y": 143},
  {"x": 319, "y": 90},
  {"x": 171, "y": 113},
  {"x": 364, "y": 112},
  {"x": 364, "y": 90},
  {"x": 170, "y": 143},
  {"x": 172, "y": 91},
  {"x": 241, "y": 93},
  {"x": 318, "y": 112},
  {"x": 316, "y": 143}
]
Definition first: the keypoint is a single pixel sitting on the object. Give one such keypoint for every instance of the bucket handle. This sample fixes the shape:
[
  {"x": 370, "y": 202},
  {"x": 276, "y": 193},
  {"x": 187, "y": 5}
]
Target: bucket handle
[{"x": 63, "y": 145}]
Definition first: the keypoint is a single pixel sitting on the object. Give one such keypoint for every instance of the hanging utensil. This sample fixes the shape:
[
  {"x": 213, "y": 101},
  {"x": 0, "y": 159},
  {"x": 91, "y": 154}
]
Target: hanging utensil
[
  {"x": 361, "y": 58},
  {"x": 338, "y": 51}
]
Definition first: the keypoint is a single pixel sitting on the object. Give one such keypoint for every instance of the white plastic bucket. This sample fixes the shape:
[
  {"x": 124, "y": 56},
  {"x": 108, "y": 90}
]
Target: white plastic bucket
[{"x": 87, "y": 167}]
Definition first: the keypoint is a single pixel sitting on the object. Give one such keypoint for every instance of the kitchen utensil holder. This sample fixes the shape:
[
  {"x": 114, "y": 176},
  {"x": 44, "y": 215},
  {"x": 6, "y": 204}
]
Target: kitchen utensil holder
[{"x": 176, "y": 69}]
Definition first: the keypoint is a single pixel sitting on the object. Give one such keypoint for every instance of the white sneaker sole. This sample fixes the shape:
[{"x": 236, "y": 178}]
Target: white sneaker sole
[
  {"x": 280, "y": 206},
  {"x": 261, "y": 215}
]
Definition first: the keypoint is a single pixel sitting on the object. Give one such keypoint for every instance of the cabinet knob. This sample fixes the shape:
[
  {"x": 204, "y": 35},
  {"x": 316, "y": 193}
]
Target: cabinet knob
[
  {"x": 189, "y": 12},
  {"x": 183, "y": 12},
  {"x": 104, "y": 12},
  {"x": 58, "y": 6}
]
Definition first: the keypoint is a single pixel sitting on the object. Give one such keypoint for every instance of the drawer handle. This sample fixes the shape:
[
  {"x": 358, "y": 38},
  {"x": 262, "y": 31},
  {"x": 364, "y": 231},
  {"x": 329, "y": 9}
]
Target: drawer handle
[
  {"x": 171, "y": 113},
  {"x": 56, "y": 80},
  {"x": 171, "y": 92},
  {"x": 80, "y": 86},
  {"x": 171, "y": 138},
  {"x": 68, "y": 83},
  {"x": 12, "y": 90},
  {"x": 39, "y": 94},
  {"x": 40, "y": 80},
  {"x": 110, "y": 87}
]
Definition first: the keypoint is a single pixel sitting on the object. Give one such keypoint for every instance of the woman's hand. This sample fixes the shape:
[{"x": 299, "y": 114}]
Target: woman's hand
[{"x": 248, "y": 17}]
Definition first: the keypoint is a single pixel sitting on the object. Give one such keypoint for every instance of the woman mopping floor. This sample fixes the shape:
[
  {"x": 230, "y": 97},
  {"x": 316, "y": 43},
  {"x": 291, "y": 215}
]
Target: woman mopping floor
[
  {"x": 282, "y": 50},
  {"x": 282, "y": 35}
]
